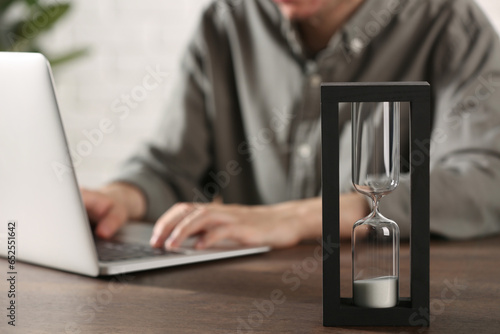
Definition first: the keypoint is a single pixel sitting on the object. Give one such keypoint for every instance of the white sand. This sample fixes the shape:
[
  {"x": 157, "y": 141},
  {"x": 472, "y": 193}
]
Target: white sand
[{"x": 380, "y": 292}]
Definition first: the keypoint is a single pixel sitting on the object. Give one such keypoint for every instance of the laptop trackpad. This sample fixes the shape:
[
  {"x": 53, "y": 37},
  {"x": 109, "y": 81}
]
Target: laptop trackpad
[
  {"x": 140, "y": 233},
  {"x": 135, "y": 233}
]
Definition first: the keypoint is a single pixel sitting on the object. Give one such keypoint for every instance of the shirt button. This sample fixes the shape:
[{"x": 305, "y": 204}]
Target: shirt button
[
  {"x": 315, "y": 80},
  {"x": 304, "y": 151},
  {"x": 311, "y": 67},
  {"x": 357, "y": 45}
]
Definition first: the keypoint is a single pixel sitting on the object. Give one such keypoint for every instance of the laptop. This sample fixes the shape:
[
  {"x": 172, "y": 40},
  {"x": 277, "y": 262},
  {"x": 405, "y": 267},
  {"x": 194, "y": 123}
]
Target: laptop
[{"x": 42, "y": 218}]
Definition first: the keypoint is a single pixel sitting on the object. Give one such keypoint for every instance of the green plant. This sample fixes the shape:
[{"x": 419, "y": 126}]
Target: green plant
[{"x": 22, "y": 22}]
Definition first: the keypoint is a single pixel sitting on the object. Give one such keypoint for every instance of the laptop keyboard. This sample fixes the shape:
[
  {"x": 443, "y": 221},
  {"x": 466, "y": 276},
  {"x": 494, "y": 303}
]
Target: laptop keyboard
[{"x": 109, "y": 251}]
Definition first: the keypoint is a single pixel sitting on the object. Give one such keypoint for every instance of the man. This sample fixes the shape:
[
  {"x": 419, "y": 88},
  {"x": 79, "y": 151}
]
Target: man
[{"x": 243, "y": 121}]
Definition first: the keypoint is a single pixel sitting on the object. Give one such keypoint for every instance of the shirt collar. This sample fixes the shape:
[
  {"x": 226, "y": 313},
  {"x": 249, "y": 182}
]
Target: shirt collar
[{"x": 363, "y": 26}]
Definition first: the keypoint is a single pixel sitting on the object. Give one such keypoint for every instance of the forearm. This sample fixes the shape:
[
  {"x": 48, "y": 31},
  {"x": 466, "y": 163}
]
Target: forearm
[
  {"x": 306, "y": 217},
  {"x": 465, "y": 205},
  {"x": 463, "y": 198},
  {"x": 307, "y": 214}
]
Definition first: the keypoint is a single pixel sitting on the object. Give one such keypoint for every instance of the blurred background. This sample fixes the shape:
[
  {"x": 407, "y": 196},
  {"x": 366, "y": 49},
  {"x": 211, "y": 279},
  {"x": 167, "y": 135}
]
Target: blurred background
[{"x": 126, "y": 41}]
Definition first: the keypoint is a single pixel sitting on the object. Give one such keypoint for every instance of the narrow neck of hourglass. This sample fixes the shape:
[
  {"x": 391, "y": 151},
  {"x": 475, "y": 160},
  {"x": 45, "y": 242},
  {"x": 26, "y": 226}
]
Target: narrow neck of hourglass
[{"x": 375, "y": 204}]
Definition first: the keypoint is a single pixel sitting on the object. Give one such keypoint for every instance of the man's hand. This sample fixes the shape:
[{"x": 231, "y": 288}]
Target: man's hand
[
  {"x": 280, "y": 225},
  {"x": 110, "y": 207}
]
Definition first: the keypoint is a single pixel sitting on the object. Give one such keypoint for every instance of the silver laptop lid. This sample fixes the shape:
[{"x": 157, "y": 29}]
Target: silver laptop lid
[{"x": 38, "y": 188}]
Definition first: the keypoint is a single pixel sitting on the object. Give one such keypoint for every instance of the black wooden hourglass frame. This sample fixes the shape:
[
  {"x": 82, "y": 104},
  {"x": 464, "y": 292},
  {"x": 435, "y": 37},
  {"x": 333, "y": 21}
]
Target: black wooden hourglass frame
[{"x": 412, "y": 311}]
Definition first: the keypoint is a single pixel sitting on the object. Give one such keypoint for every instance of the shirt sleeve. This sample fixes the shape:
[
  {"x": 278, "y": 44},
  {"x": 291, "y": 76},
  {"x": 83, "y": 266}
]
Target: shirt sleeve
[
  {"x": 465, "y": 142},
  {"x": 175, "y": 161}
]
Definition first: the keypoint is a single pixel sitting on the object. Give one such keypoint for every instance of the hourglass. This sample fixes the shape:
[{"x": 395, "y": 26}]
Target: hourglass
[
  {"x": 375, "y": 278},
  {"x": 375, "y": 173}
]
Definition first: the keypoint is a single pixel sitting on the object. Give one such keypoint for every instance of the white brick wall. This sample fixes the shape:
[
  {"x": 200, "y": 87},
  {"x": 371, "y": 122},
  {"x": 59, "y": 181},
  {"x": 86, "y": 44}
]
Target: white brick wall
[{"x": 125, "y": 37}]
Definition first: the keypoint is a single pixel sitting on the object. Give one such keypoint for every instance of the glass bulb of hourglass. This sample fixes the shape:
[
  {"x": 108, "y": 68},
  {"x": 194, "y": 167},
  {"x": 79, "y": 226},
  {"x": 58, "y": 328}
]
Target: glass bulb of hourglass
[{"x": 375, "y": 173}]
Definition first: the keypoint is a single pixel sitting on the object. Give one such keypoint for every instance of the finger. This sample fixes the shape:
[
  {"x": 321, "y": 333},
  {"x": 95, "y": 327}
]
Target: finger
[
  {"x": 167, "y": 222},
  {"x": 109, "y": 224},
  {"x": 200, "y": 220},
  {"x": 214, "y": 235},
  {"x": 96, "y": 204}
]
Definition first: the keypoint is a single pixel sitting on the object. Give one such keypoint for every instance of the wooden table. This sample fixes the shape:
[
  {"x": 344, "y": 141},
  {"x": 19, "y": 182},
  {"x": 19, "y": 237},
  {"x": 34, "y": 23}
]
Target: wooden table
[{"x": 266, "y": 293}]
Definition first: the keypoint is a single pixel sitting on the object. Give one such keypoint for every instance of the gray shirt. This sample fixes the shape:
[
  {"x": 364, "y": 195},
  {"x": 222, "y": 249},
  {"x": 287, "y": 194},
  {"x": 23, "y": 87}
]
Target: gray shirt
[{"x": 243, "y": 119}]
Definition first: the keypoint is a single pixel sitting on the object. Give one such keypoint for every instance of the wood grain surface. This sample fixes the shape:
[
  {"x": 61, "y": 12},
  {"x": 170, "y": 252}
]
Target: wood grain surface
[{"x": 278, "y": 292}]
